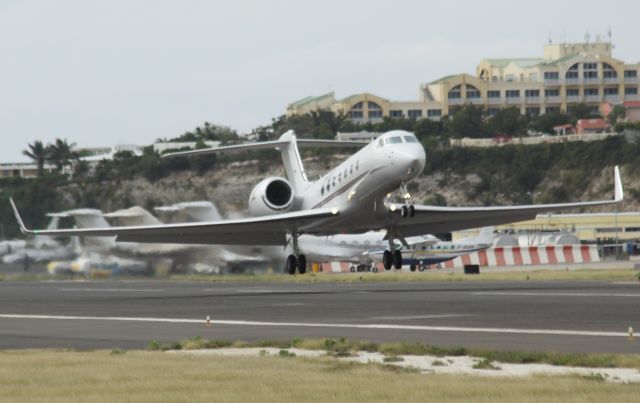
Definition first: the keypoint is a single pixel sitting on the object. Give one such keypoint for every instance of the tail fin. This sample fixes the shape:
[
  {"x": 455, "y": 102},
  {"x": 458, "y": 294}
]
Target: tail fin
[
  {"x": 292, "y": 161},
  {"x": 486, "y": 235}
]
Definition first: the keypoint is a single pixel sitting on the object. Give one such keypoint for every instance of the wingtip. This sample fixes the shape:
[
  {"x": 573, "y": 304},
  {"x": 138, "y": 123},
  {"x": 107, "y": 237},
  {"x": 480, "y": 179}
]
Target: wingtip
[
  {"x": 619, "y": 192},
  {"x": 23, "y": 229}
]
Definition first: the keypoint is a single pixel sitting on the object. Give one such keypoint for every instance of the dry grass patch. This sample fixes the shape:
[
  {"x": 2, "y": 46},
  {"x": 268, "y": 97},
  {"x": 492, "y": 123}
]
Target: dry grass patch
[{"x": 134, "y": 376}]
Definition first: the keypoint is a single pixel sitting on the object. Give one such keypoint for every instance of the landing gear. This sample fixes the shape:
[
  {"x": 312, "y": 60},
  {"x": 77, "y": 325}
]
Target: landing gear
[
  {"x": 412, "y": 267},
  {"x": 297, "y": 260},
  {"x": 407, "y": 211},
  {"x": 397, "y": 259},
  {"x": 387, "y": 260},
  {"x": 362, "y": 268}
]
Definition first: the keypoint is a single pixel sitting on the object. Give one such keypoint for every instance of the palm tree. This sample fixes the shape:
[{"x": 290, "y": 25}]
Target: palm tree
[
  {"x": 61, "y": 154},
  {"x": 38, "y": 153}
]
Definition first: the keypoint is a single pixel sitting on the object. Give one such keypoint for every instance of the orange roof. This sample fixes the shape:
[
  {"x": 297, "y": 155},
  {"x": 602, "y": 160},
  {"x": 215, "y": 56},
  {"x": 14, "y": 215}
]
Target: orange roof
[{"x": 592, "y": 123}]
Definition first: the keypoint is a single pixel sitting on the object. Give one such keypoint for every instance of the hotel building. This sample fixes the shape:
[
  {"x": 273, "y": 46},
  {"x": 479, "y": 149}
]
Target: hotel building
[{"x": 568, "y": 74}]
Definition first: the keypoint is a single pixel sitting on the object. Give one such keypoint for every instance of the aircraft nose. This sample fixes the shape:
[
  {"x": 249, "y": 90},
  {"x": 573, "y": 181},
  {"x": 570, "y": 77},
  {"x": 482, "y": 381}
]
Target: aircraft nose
[{"x": 414, "y": 160}]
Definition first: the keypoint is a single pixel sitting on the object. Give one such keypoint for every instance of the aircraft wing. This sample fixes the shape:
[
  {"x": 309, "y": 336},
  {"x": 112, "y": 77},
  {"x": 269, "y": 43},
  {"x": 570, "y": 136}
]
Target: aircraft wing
[
  {"x": 266, "y": 230},
  {"x": 435, "y": 219}
]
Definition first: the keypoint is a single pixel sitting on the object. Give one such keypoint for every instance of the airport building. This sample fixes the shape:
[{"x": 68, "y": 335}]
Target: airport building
[{"x": 567, "y": 74}]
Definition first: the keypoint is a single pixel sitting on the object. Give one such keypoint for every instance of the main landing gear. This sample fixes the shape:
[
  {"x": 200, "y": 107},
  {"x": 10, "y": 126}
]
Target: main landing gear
[
  {"x": 297, "y": 260},
  {"x": 392, "y": 257}
]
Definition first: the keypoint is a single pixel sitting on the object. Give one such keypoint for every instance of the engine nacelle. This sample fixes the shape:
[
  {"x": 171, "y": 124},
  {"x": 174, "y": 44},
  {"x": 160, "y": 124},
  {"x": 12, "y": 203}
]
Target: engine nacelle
[{"x": 271, "y": 196}]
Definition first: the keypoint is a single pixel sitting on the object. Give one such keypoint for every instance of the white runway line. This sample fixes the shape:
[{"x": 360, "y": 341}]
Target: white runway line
[
  {"x": 328, "y": 325},
  {"x": 451, "y": 315},
  {"x": 554, "y": 294},
  {"x": 109, "y": 290}
]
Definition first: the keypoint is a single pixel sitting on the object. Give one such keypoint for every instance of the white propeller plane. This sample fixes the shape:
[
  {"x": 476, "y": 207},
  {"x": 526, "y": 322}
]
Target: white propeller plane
[{"x": 351, "y": 198}]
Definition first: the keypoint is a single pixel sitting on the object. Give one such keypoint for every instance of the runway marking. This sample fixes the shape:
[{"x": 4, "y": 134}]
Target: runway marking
[
  {"x": 554, "y": 294},
  {"x": 452, "y": 315},
  {"x": 327, "y": 325},
  {"x": 110, "y": 289}
]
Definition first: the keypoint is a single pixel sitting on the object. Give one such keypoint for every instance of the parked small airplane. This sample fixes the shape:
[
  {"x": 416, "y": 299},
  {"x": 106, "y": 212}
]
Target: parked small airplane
[{"x": 350, "y": 199}]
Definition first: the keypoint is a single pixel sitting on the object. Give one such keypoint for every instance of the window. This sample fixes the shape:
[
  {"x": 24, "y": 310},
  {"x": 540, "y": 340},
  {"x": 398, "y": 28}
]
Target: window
[
  {"x": 552, "y": 109},
  {"x": 608, "y": 71},
  {"x": 410, "y": 139},
  {"x": 434, "y": 113},
  {"x": 355, "y": 114},
  {"x": 573, "y": 92},
  {"x": 533, "y": 111},
  {"x": 590, "y": 66},
  {"x": 631, "y": 91},
  {"x": 393, "y": 140},
  {"x": 611, "y": 91},
  {"x": 472, "y": 92},
  {"x": 630, "y": 73},
  {"x": 414, "y": 113},
  {"x": 373, "y": 105},
  {"x": 396, "y": 114},
  {"x": 512, "y": 93},
  {"x": 551, "y": 75},
  {"x": 322, "y": 190},
  {"x": 455, "y": 92},
  {"x": 531, "y": 93},
  {"x": 359, "y": 105},
  {"x": 493, "y": 94},
  {"x": 590, "y": 92},
  {"x": 590, "y": 74},
  {"x": 551, "y": 93},
  {"x": 590, "y": 70},
  {"x": 375, "y": 114},
  {"x": 572, "y": 73}
]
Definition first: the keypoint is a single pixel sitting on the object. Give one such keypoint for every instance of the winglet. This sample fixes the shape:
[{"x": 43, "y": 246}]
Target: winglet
[
  {"x": 619, "y": 192},
  {"x": 23, "y": 229}
]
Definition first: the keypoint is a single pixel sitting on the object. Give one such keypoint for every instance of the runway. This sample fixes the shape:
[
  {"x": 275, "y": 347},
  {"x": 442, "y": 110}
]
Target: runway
[{"x": 528, "y": 316}]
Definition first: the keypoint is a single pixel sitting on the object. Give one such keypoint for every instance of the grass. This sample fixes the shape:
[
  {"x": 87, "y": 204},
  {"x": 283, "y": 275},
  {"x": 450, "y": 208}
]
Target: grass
[
  {"x": 69, "y": 376},
  {"x": 343, "y": 347},
  {"x": 612, "y": 274},
  {"x": 485, "y": 363}
]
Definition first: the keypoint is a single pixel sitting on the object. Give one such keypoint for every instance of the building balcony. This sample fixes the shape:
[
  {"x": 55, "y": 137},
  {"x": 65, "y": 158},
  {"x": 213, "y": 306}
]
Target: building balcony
[
  {"x": 592, "y": 98},
  {"x": 456, "y": 101},
  {"x": 612, "y": 98},
  {"x": 552, "y": 82},
  {"x": 494, "y": 101},
  {"x": 553, "y": 100},
  {"x": 532, "y": 100},
  {"x": 574, "y": 98},
  {"x": 475, "y": 101},
  {"x": 591, "y": 81},
  {"x": 611, "y": 80},
  {"x": 573, "y": 81},
  {"x": 631, "y": 80},
  {"x": 635, "y": 97},
  {"x": 514, "y": 100}
]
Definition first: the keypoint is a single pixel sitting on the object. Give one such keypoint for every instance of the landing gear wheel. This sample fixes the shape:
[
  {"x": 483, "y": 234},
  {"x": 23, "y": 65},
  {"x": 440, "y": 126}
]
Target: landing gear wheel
[
  {"x": 375, "y": 269},
  {"x": 302, "y": 264},
  {"x": 422, "y": 268},
  {"x": 412, "y": 267},
  {"x": 291, "y": 265},
  {"x": 352, "y": 269},
  {"x": 397, "y": 259},
  {"x": 404, "y": 211},
  {"x": 387, "y": 260},
  {"x": 412, "y": 211}
]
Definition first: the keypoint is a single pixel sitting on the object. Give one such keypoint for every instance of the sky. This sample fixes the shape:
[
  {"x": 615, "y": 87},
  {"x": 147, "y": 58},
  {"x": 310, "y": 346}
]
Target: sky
[{"x": 100, "y": 73}]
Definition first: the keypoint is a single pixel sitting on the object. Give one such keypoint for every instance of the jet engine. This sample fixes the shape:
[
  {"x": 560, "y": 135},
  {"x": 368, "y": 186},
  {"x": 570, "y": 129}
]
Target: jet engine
[{"x": 271, "y": 196}]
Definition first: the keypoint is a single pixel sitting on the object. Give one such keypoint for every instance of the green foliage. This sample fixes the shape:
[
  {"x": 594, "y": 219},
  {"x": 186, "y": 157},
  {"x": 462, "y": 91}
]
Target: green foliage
[
  {"x": 508, "y": 121},
  {"x": 546, "y": 122},
  {"x": 618, "y": 112},
  {"x": 467, "y": 122},
  {"x": 208, "y": 132}
]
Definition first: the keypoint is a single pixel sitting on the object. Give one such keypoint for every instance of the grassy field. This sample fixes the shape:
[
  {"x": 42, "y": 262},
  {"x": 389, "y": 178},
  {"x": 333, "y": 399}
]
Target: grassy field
[
  {"x": 103, "y": 376},
  {"x": 612, "y": 274}
]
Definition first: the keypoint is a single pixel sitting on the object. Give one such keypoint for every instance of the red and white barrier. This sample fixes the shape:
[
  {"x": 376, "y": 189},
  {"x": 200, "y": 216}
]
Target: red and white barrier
[{"x": 505, "y": 256}]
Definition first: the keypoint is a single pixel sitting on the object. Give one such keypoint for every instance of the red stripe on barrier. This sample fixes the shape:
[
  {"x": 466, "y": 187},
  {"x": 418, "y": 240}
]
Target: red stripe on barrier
[
  {"x": 517, "y": 256},
  {"x": 568, "y": 254},
  {"x": 466, "y": 260},
  {"x": 500, "y": 257},
  {"x": 482, "y": 258},
  {"x": 535, "y": 256},
  {"x": 586, "y": 255},
  {"x": 551, "y": 254}
]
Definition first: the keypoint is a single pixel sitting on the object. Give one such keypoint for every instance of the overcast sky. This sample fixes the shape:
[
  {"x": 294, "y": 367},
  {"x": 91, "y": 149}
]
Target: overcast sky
[{"x": 107, "y": 72}]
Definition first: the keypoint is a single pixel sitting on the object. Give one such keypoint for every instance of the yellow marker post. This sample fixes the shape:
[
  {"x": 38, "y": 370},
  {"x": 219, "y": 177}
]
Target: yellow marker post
[
  {"x": 631, "y": 336},
  {"x": 207, "y": 322}
]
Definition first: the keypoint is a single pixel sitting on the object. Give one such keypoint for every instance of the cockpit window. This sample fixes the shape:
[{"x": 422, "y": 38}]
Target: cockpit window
[
  {"x": 410, "y": 139},
  {"x": 393, "y": 140}
]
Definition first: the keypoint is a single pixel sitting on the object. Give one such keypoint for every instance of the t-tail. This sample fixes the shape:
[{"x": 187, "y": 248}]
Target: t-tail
[{"x": 292, "y": 161}]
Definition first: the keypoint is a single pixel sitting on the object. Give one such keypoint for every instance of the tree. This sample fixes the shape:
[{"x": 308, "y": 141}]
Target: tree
[
  {"x": 546, "y": 122},
  {"x": 508, "y": 121},
  {"x": 61, "y": 153},
  {"x": 38, "y": 153},
  {"x": 467, "y": 122},
  {"x": 619, "y": 111}
]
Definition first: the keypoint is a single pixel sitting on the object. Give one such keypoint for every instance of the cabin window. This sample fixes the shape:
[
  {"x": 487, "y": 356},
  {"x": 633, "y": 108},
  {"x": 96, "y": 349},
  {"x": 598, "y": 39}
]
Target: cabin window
[
  {"x": 393, "y": 140},
  {"x": 410, "y": 139}
]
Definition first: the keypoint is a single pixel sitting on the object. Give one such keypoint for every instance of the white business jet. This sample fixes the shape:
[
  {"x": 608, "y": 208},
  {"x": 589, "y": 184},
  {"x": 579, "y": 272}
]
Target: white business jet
[{"x": 351, "y": 198}]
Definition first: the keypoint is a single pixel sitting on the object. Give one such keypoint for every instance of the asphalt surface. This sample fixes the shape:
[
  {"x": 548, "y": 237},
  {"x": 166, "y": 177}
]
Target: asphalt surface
[{"x": 531, "y": 316}]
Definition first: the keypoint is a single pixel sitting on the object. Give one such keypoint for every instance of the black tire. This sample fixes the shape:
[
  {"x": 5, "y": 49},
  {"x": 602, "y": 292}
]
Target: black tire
[
  {"x": 375, "y": 269},
  {"x": 352, "y": 269},
  {"x": 404, "y": 211},
  {"x": 387, "y": 260},
  {"x": 397, "y": 259},
  {"x": 422, "y": 268},
  {"x": 291, "y": 265},
  {"x": 412, "y": 267},
  {"x": 412, "y": 211},
  {"x": 302, "y": 264}
]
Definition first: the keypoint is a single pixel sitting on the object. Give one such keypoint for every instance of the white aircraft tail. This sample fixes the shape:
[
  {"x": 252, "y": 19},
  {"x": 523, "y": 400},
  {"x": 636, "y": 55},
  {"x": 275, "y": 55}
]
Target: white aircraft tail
[
  {"x": 92, "y": 218},
  {"x": 292, "y": 161},
  {"x": 198, "y": 211},
  {"x": 485, "y": 236},
  {"x": 135, "y": 215}
]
